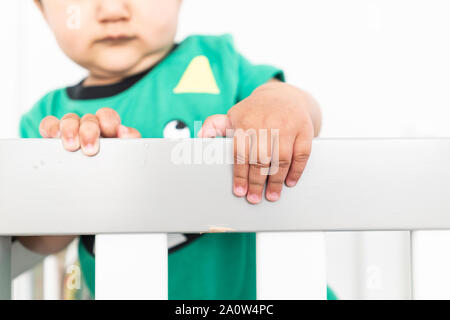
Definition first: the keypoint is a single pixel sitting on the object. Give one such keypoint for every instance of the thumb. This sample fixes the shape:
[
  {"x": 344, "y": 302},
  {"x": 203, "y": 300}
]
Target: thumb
[{"x": 215, "y": 126}]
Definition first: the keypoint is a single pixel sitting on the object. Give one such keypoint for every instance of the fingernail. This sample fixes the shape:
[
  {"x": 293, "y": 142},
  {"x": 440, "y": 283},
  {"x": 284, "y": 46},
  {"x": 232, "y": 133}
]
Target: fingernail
[
  {"x": 239, "y": 191},
  {"x": 273, "y": 196},
  {"x": 291, "y": 183},
  {"x": 71, "y": 144},
  {"x": 253, "y": 198},
  {"x": 90, "y": 149}
]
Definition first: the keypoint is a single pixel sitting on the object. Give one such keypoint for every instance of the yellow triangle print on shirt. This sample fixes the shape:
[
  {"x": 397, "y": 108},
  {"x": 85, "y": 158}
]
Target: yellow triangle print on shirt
[{"x": 198, "y": 78}]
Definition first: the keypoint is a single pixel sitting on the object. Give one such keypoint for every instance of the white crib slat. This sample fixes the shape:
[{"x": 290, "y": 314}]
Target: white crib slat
[
  {"x": 369, "y": 265},
  {"x": 131, "y": 267},
  {"x": 5, "y": 268},
  {"x": 384, "y": 265},
  {"x": 52, "y": 278},
  {"x": 291, "y": 265},
  {"x": 24, "y": 286},
  {"x": 431, "y": 264}
]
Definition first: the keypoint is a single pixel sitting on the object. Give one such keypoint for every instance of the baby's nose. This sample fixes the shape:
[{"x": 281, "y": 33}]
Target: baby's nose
[{"x": 113, "y": 11}]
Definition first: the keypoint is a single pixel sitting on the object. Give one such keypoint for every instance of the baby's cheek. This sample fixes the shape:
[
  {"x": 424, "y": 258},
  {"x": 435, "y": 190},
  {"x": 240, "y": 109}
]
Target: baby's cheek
[
  {"x": 74, "y": 46},
  {"x": 159, "y": 37},
  {"x": 159, "y": 30},
  {"x": 74, "y": 26}
]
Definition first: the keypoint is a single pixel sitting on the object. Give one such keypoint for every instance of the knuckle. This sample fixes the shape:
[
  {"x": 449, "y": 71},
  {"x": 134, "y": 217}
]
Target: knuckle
[
  {"x": 89, "y": 129},
  {"x": 106, "y": 111},
  {"x": 260, "y": 170},
  {"x": 70, "y": 116},
  {"x": 301, "y": 157},
  {"x": 240, "y": 158},
  {"x": 260, "y": 165},
  {"x": 283, "y": 163},
  {"x": 255, "y": 185},
  {"x": 109, "y": 128},
  {"x": 69, "y": 125},
  {"x": 108, "y": 115},
  {"x": 49, "y": 119},
  {"x": 240, "y": 175},
  {"x": 297, "y": 172},
  {"x": 89, "y": 118},
  {"x": 275, "y": 180}
]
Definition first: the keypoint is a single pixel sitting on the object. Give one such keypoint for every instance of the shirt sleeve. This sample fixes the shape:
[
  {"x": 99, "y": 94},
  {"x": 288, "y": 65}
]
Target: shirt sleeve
[
  {"x": 28, "y": 128},
  {"x": 30, "y": 121},
  {"x": 252, "y": 76}
]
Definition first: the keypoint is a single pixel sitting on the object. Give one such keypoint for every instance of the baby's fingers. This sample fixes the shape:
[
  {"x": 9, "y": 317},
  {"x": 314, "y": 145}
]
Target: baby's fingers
[
  {"x": 302, "y": 151},
  {"x": 279, "y": 168},
  {"x": 241, "y": 150},
  {"x": 49, "y": 127},
  {"x": 215, "y": 126},
  {"x": 128, "y": 133},
  {"x": 90, "y": 135},
  {"x": 69, "y": 127},
  {"x": 110, "y": 125},
  {"x": 109, "y": 121}
]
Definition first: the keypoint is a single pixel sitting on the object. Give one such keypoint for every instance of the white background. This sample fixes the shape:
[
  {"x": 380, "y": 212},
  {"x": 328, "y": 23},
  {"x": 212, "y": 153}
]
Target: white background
[{"x": 379, "y": 68}]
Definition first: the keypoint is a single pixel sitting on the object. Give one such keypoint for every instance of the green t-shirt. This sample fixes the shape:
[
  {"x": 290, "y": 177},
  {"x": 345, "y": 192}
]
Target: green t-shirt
[{"x": 204, "y": 75}]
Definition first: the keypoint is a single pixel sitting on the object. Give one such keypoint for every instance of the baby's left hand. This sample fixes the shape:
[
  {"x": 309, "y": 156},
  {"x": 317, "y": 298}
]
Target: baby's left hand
[{"x": 280, "y": 122}]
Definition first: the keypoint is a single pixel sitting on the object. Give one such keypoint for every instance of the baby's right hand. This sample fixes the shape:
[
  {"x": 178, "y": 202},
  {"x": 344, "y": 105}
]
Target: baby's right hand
[{"x": 86, "y": 132}]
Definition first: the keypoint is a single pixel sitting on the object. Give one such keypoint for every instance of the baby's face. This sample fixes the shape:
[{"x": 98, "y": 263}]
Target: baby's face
[{"x": 112, "y": 37}]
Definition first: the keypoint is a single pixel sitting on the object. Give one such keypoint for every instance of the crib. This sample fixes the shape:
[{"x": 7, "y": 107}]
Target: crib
[
  {"x": 375, "y": 66},
  {"x": 348, "y": 185}
]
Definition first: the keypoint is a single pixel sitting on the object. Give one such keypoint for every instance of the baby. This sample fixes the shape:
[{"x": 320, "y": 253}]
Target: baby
[{"x": 141, "y": 83}]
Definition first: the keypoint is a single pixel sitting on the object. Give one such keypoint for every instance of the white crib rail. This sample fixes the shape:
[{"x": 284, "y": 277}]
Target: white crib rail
[{"x": 349, "y": 184}]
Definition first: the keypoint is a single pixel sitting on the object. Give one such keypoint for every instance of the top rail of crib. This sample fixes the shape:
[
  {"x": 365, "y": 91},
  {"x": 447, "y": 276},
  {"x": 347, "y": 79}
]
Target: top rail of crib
[{"x": 156, "y": 185}]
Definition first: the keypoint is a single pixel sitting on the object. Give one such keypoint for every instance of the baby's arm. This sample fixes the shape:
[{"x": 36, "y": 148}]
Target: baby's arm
[
  {"x": 274, "y": 105},
  {"x": 46, "y": 245},
  {"x": 77, "y": 133}
]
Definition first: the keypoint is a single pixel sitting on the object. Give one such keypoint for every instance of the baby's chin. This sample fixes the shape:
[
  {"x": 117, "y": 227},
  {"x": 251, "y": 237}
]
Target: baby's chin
[{"x": 119, "y": 63}]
